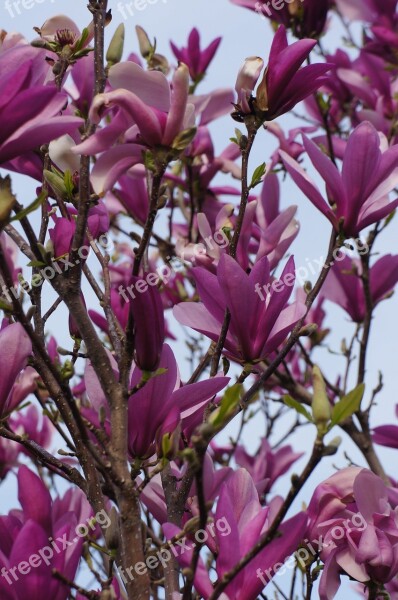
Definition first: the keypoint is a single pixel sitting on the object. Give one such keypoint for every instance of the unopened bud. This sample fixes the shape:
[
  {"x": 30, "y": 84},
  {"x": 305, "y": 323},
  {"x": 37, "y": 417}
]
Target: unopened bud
[
  {"x": 146, "y": 47},
  {"x": 321, "y": 409},
  {"x": 333, "y": 446},
  {"x": 56, "y": 183},
  {"x": 115, "y": 50}
]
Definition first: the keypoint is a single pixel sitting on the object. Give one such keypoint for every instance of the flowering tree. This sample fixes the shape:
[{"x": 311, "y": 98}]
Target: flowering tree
[{"x": 148, "y": 237}]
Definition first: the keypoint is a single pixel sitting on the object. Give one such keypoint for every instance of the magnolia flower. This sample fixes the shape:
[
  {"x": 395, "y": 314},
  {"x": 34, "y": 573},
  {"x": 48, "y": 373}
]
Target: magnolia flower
[
  {"x": 260, "y": 316},
  {"x": 344, "y": 286},
  {"x": 27, "y": 531},
  {"x": 15, "y": 348},
  {"x": 284, "y": 83},
  {"x": 358, "y": 196},
  {"x": 149, "y": 113},
  {"x": 267, "y": 465},
  {"x": 29, "y": 110},
  {"x": 307, "y": 18},
  {"x": 239, "y": 507},
  {"x": 355, "y": 513},
  {"x": 197, "y": 60},
  {"x": 158, "y": 407}
]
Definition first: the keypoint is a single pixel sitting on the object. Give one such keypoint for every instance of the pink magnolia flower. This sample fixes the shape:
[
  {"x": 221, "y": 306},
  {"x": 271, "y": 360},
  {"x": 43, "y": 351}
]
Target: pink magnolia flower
[
  {"x": 366, "y": 10},
  {"x": 158, "y": 407},
  {"x": 197, "y": 60},
  {"x": 153, "y": 494},
  {"x": 29, "y": 110},
  {"x": 24, "y": 532},
  {"x": 306, "y": 18},
  {"x": 15, "y": 348},
  {"x": 284, "y": 83},
  {"x": 267, "y": 465},
  {"x": 359, "y": 530},
  {"x": 387, "y": 435},
  {"x": 62, "y": 233},
  {"x": 260, "y": 320},
  {"x": 358, "y": 196},
  {"x": 239, "y": 508},
  {"x": 344, "y": 286},
  {"x": 145, "y": 109}
]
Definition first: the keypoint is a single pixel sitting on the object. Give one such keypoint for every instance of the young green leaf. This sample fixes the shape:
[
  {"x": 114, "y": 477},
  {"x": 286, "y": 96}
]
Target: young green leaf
[
  {"x": 258, "y": 174},
  {"x": 228, "y": 404},
  {"x": 347, "y": 406},
  {"x": 292, "y": 403}
]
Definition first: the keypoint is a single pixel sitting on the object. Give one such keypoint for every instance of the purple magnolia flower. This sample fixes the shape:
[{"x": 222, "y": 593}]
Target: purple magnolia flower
[
  {"x": 26, "y": 532},
  {"x": 260, "y": 316},
  {"x": 239, "y": 508},
  {"x": 358, "y": 196},
  {"x": 387, "y": 435},
  {"x": 344, "y": 286},
  {"x": 25, "y": 423},
  {"x": 366, "y": 10},
  {"x": 197, "y": 60},
  {"x": 158, "y": 407},
  {"x": 153, "y": 494},
  {"x": 267, "y": 465},
  {"x": 359, "y": 530},
  {"x": 277, "y": 229},
  {"x": 284, "y": 83},
  {"x": 29, "y": 110},
  {"x": 15, "y": 348},
  {"x": 62, "y": 233},
  {"x": 306, "y": 18}
]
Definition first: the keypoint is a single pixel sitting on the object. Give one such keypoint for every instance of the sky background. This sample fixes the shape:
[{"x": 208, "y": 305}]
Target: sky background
[{"x": 244, "y": 34}]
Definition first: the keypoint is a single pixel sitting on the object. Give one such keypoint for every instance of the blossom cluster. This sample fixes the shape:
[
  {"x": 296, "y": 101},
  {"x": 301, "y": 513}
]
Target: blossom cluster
[{"x": 171, "y": 270}]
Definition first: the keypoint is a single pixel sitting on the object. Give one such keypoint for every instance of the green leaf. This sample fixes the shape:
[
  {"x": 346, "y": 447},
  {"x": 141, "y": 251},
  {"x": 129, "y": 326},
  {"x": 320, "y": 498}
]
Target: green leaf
[
  {"x": 389, "y": 218},
  {"x": 32, "y": 207},
  {"x": 347, "y": 406},
  {"x": 292, "y": 403},
  {"x": 81, "y": 41},
  {"x": 228, "y": 404},
  {"x": 7, "y": 198},
  {"x": 258, "y": 174}
]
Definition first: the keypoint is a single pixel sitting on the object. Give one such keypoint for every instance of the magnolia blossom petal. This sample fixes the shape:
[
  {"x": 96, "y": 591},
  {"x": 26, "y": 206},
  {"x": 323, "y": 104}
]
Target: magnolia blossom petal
[{"x": 151, "y": 87}]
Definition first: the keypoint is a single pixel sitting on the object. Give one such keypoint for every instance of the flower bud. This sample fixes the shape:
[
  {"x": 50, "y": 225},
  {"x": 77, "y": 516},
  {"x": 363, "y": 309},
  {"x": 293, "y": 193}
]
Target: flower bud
[
  {"x": 321, "y": 409},
  {"x": 146, "y": 47},
  {"x": 115, "y": 50},
  {"x": 247, "y": 78}
]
